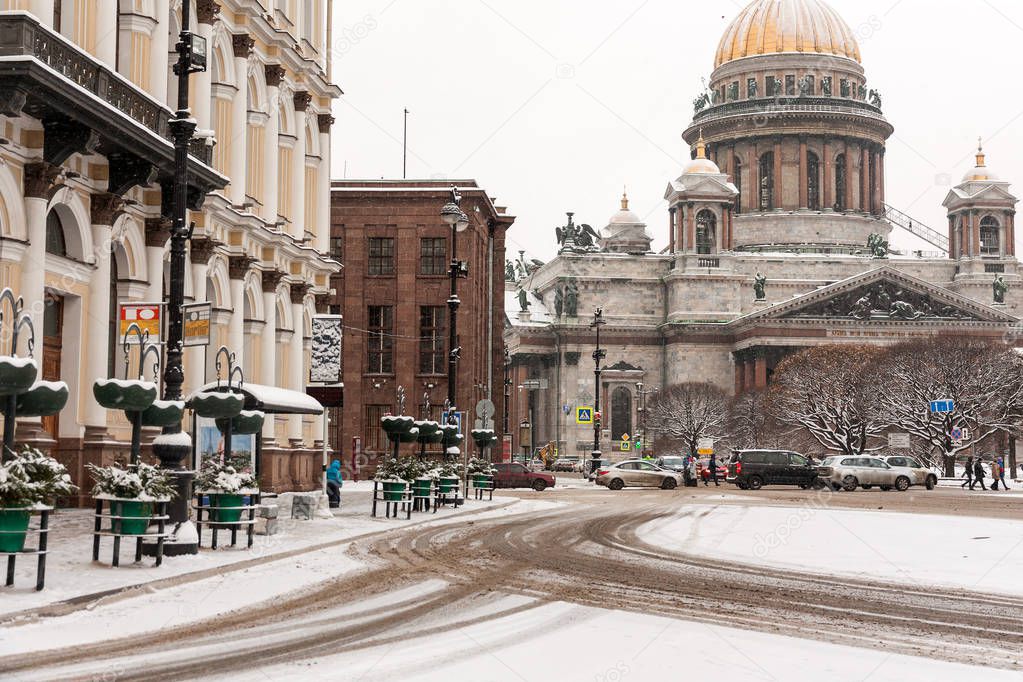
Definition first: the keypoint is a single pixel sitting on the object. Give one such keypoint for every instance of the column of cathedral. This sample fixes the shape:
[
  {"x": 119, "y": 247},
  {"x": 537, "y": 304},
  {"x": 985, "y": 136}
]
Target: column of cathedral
[
  {"x": 672, "y": 227},
  {"x": 324, "y": 122},
  {"x": 850, "y": 205},
  {"x": 106, "y": 31},
  {"x": 206, "y": 14},
  {"x": 779, "y": 171},
  {"x": 828, "y": 195},
  {"x": 39, "y": 179},
  {"x": 804, "y": 174},
  {"x": 1010, "y": 234},
  {"x": 159, "y": 50}
]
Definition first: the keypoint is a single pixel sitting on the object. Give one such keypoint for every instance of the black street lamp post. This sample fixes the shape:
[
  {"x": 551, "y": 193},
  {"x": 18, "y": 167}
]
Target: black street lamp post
[
  {"x": 642, "y": 393},
  {"x": 456, "y": 219},
  {"x": 598, "y": 355},
  {"x": 172, "y": 451}
]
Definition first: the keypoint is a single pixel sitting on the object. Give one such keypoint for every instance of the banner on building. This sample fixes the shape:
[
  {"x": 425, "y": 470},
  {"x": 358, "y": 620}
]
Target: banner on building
[
  {"x": 149, "y": 318},
  {"x": 197, "y": 318},
  {"x": 328, "y": 335}
]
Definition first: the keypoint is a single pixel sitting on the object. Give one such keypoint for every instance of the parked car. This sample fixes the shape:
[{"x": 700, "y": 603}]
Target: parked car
[
  {"x": 517, "y": 475},
  {"x": 850, "y": 473},
  {"x": 753, "y": 469},
  {"x": 917, "y": 472},
  {"x": 568, "y": 464},
  {"x": 602, "y": 464},
  {"x": 639, "y": 473},
  {"x": 672, "y": 463},
  {"x": 703, "y": 470}
]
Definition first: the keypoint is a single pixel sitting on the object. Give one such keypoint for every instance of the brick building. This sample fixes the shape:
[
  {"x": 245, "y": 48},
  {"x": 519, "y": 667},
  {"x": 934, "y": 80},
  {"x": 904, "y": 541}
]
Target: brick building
[{"x": 393, "y": 294}]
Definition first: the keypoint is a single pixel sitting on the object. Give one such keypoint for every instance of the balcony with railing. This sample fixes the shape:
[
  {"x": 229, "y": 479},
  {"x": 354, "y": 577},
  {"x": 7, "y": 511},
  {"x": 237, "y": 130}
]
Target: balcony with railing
[
  {"x": 787, "y": 105},
  {"x": 45, "y": 76}
]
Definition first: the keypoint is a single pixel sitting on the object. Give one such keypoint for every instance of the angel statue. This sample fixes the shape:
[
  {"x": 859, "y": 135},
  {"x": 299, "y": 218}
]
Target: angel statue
[
  {"x": 588, "y": 237},
  {"x": 509, "y": 271},
  {"x": 1001, "y": 287},
  {"x": 566, "y": 235},
  {"x": 760, "y": 287}
]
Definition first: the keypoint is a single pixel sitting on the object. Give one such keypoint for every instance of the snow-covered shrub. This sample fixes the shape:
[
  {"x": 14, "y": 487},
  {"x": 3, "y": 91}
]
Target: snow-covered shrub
[
  {"x": 481, "y": 467},
  {"x": 32, "y": 477},
  {"x": 215, "y": 477},
  {"x": 143, "y": 482}
]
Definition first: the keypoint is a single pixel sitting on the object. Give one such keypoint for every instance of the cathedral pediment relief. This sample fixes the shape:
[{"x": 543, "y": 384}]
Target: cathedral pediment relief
[
  {"x": 623, "y": 366},
  {"x": 885, "y": 301},
  {"x": 883, "y": 295}
]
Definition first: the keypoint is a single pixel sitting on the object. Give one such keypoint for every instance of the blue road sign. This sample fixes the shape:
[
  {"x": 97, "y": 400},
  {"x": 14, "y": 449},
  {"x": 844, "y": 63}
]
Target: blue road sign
[{"x": 942, "y": 406}]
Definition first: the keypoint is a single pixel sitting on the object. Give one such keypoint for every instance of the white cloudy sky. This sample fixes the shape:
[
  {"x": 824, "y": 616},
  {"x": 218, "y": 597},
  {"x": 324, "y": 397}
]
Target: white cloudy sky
[{"x": 554, "y": 105}]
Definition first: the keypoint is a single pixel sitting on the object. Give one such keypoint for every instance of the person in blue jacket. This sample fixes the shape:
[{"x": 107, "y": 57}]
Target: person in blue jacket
[{"x": 334, "y": 483}]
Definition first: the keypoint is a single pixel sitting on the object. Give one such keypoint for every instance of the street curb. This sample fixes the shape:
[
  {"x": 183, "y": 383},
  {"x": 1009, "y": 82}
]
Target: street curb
[{"x": 85, "y": 601}]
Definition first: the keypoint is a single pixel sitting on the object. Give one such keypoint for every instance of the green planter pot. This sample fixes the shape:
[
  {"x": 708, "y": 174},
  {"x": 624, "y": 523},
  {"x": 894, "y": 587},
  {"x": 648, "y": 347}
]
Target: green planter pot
[
  {"x": 43, "y": 399},
  {"x": 246, "y": 423},
  {"x": 230, "y": 507},
  {"x": 217, "y": 405},
  {"x": 16, "y": 375},
  {"x": 135, "y": 515},
  {"x": 483, "y": 482},
  {"x": 13, "y": 529},
  {"x": 163, "y": 413},
  {"x": 422, "y": 487},
  {"x": 448, "y": 484},
  {"x": 396, "y": 424},
  {"x": 130, "y": 396},
  {"x": 394, "y": 491}
]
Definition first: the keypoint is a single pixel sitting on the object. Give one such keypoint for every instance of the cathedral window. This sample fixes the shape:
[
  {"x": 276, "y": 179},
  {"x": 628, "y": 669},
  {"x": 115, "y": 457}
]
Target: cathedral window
[
  {"x": 806, "y": 86},
  {"x": 846, "y": 88},
  {"x": 751, "y": 88},
  {"x": 826, "y": 86},
  {"x": 767, "y": 182},
  {"x": 990, "y": 241},
  {"x": 621, "y": 413},
  {"x": 706, "y": 232},
  {"x": 733, "y": 91},
  {"x": 840, "y": 182},
  {"x": 813, "y": 181},
  {"x": 790, "y": 86},
  {"x": 773, "y": 86}
]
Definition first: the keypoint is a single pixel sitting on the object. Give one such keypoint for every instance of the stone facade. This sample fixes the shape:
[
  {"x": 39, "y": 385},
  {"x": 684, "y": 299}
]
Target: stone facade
[{"x": 786, "y": 188}]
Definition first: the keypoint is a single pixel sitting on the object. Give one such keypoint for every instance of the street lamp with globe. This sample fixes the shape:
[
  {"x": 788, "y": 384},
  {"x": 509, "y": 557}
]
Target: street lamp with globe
[{"x": 458, "y": 221}]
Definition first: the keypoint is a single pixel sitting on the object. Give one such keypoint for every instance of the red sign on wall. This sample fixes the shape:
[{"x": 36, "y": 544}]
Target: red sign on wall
[{"x": 506, "y": 449}]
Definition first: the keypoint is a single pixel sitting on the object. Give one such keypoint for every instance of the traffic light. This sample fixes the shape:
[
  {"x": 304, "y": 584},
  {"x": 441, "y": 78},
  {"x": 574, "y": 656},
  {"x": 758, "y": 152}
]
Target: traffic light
[{"x": 596, "y": 419}]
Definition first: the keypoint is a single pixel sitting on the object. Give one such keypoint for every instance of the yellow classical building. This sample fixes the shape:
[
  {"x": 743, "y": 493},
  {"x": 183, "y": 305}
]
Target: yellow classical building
[{"x": 86, "y": 163}]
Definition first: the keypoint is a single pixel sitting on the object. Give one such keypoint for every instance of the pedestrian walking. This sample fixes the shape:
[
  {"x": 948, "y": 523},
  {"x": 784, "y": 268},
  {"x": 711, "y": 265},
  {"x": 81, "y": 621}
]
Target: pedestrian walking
[
  {"x": 994, "y": 473},
  {"x": 1001, "y": 473},
  {"x": 334, "y": 482},
  {"x": 978, "y": 474},
  {"x": 968, "y": 473},
  {"x": 712, "y": 465}
]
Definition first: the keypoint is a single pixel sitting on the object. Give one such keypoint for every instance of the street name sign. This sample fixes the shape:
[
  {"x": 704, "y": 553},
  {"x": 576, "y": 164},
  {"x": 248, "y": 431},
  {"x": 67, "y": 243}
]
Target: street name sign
[{"x": 942, "y": 406}]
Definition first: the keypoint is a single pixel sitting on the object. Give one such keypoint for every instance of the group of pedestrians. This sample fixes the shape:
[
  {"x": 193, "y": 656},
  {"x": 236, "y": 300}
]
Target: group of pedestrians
[{"x": 974, "y": 473}]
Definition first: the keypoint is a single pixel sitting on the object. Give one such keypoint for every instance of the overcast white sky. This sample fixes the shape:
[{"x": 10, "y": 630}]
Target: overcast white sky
[{"x": 554, "y": 105}]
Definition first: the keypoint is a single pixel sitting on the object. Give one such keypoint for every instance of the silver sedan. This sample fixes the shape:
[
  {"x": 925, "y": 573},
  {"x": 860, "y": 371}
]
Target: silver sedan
[{"x": 638, "y": 473}]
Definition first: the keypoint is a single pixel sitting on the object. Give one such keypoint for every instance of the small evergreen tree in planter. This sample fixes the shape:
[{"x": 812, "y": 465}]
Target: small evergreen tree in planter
[
  {"x": 28, "y": 479},
  {"x": 396, "y": 474},
  {"x": 227, "y": 488},
  {"x": 449, "y": 474},
  {"x": 131, "y": 491},
  {"x": 482, "y": 472}
]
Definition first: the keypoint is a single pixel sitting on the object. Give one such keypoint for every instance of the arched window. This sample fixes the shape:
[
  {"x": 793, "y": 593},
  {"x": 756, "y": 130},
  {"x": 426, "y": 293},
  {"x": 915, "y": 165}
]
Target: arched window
[
  {"x": 840, "y": 182},
  {"x": 767, "y": 182},
  {"x": 813, "y": 182},
  {"x": 706, "y": 231},
  {"x": 737, "y": 181},
  {"x": 990, "y": 236},
  {"x": 621, "y": 413},
  {"x": 55, "y": 241}
]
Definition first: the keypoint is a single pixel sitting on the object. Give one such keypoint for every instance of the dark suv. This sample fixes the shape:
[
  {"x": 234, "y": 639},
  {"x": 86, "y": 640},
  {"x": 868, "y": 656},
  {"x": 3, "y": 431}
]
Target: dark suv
[{"x": 753, "y": 469}]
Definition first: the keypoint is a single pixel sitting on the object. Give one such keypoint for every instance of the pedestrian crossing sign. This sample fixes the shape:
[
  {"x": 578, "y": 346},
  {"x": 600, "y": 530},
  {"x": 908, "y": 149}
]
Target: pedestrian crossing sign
[{"x": 584, "y": 415}]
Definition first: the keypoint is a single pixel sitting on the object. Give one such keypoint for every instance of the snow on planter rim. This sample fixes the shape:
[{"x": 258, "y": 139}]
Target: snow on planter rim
[
  {"x": 16, "y": 361},
  {"x": 126, "y": 383},
  {"x": 140, "y": 498}
]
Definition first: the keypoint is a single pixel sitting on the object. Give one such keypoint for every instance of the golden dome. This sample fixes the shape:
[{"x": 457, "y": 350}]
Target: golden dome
[
  {"x": 981, "y": 172},
  {"x": 780, "y": 26}
]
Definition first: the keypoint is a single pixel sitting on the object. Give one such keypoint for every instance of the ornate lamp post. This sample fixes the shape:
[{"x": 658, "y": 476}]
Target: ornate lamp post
[
  {"x": 598, "y": 355},
  {"x": 456, "y": 219},
  {"x": 173, "y": 448}
]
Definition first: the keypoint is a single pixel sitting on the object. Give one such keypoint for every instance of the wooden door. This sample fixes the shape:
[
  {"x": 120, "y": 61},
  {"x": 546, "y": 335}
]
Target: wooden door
[{"x": 53, "y": 332}]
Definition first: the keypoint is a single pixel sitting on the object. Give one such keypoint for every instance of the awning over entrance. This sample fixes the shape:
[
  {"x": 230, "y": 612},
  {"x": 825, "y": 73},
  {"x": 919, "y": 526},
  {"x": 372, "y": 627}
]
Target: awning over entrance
[{"x": 270, "y": 399}]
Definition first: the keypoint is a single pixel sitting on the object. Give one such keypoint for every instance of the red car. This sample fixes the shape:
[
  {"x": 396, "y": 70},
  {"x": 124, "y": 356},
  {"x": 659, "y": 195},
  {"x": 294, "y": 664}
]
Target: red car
[
  {"x": 704, "y": 470},
  {"x": 519, "y": 476}
]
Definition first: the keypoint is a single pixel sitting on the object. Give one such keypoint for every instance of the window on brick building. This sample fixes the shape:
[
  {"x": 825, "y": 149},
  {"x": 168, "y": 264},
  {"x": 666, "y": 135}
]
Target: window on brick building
[
  {"x": 840, "y": 182},
  {"x": 767, "y": 182},
  {"x": 706, "y": 232},
  {"x": 375, "y": 438},
  {"x": 381, "y": 256},
  {"x": 337, "y": 245},
  {"x": 380, "y": 341},
  {"x": 432, "y": 352},
  {"x": 813, "y": 181},
  {"x": 990, "y": 237},
  {"x": 433, "y": 255}
]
